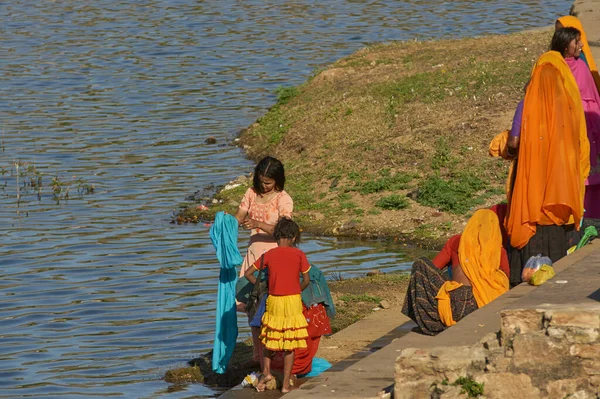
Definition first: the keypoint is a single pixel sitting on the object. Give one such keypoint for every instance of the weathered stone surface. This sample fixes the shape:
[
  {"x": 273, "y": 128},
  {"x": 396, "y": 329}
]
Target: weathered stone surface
[
  {"x": 591, "y": 351},
  {"x": 508, "y": 385},
  {"x": 417, "y": 369},
  {"x": 591, "y": 367},
  {"x": 453, "y": 392},
  {"x": 491, "y": 341},
  {"x": 543, "y": 358},
  {"x": 583, "y": 394},
  {"x": 413, "y": 389},
  {"x": 574, "y": 318},
  {"x": 519, "y": 321},
  {"x": 576, "y": 335},
  {"x": 562, "y": 388}
]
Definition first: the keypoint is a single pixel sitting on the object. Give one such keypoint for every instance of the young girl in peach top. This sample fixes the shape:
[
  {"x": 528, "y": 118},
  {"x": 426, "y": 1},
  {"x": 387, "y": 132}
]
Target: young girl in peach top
[{"x": 261, "y": 208}]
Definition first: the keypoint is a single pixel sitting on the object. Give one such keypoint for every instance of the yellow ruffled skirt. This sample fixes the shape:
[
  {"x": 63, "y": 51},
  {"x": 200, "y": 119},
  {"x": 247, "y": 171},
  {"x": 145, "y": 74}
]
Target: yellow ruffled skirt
[{"x": 283, "y": 324}]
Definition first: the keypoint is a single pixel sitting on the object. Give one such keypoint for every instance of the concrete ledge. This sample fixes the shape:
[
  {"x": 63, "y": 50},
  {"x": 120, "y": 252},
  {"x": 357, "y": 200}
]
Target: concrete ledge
[{"x": 374, "y": 373}]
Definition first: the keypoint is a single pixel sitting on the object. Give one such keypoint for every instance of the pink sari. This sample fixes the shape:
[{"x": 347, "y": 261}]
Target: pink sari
[{"x": 591, "y": 108}]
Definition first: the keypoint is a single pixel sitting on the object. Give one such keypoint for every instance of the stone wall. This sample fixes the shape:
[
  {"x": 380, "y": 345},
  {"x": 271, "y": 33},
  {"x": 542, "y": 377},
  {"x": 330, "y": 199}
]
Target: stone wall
[{"x": 550, "y": 352}]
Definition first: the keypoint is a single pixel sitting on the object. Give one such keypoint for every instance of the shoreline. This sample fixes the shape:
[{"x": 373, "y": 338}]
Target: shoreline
[{"x": 391, "y": 142}]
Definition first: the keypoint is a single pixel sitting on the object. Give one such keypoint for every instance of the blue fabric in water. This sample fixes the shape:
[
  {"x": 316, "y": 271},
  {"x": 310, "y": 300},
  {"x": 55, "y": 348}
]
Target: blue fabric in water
[
  {"x": 224, "y": 235},
  {"x": 319, "y": 365}
]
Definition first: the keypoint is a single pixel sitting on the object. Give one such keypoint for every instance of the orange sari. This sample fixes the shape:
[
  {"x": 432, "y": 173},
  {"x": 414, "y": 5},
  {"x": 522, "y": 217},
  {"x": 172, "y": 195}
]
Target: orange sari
[
  {"x": 553, "y": 153},
  {"x": 569, "y": 21}
]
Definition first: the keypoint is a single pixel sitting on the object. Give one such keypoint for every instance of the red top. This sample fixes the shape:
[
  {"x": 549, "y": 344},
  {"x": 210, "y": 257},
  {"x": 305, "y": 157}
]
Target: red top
[
  {"x": 449, "y": 256},
  {"x": 285, "y": 265}
]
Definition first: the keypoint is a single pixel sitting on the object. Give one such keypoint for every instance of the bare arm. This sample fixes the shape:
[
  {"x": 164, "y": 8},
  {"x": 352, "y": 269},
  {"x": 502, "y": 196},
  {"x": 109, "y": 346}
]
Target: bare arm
[
  {"x": 240, "y": 215},
  {"x": 305, "y": 281},
  {"x": 255, "y": 224},
  {"x": 250, "y": 274},
  {"x": 512, "y": 146}
]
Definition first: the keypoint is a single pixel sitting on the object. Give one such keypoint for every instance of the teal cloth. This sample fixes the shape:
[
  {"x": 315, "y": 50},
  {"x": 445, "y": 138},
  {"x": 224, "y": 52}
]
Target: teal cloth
[
  {"x": 224, "y": 236},
  {"x": 318, "y": 291}
]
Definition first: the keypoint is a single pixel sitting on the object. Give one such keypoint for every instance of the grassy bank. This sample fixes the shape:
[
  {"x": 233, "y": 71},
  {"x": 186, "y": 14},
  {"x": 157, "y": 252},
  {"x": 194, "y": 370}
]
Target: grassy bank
[{"x": 392, "y": 140}]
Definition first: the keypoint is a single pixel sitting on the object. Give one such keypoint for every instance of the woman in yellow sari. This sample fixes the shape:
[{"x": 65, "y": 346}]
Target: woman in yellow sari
[
  {"x": 435, "y": 303},
  {"x": 546, "y": 201}
]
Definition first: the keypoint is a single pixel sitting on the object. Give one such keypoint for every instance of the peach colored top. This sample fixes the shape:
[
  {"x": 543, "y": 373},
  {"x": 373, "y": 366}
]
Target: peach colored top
[{"x": 260, "y": 241}]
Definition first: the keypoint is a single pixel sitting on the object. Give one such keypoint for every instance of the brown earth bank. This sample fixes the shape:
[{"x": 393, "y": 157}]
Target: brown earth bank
[{"x": 392, "y": 141}]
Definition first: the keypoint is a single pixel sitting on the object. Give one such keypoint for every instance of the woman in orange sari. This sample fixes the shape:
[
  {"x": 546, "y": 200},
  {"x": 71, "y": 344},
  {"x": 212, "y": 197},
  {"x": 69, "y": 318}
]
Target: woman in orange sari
[
  {"x": 546, "y": 202},
  {"x": 434, "y": 302}
]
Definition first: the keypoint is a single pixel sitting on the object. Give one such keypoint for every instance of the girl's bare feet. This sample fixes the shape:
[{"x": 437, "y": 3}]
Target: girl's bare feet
[
  {"x": 262, "y": 383},
  {"x": 287, "y": 389}
]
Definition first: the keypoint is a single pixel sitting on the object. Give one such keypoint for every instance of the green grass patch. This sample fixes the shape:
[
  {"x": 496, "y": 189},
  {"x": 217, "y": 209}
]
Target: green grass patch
[
  {"x": 384, "y": 182},
  {"x": 360, "y": 298},
  {"x": 393, "y": 202},
  {"x": 457, "y": 195}
]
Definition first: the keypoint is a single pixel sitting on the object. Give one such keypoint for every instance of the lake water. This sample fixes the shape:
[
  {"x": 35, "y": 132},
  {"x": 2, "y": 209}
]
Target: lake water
[{"x": 101, "y": 294}]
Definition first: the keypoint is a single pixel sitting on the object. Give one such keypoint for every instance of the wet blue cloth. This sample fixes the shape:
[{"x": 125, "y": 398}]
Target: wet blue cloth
[
  {"x": 319, "y": 365},
  {"x": 262, "y": 307},
  {"x": 224, "y": 235}
]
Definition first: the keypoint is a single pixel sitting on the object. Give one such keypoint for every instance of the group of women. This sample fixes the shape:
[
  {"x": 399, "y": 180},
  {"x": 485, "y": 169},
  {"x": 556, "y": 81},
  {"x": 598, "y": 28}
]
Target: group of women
[{"x": 553, "y": 183}]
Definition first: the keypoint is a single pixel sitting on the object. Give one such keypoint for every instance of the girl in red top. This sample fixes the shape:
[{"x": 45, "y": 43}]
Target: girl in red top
[{"x": 283, "y": 324}]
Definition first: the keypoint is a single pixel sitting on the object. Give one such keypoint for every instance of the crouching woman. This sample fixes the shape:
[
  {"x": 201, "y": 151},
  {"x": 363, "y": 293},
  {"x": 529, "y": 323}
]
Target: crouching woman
[{"x": 434, "y": 302}]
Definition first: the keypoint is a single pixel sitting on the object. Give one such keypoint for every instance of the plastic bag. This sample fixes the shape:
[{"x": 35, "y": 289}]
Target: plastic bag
[
  {"x": 544, "y": 273},
  {"x": 533, "y": 264}
]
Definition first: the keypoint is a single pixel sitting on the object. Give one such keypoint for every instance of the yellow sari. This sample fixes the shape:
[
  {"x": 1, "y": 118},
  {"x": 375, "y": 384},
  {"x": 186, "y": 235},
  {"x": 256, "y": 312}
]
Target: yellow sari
[{"x": 479, "y": 253}]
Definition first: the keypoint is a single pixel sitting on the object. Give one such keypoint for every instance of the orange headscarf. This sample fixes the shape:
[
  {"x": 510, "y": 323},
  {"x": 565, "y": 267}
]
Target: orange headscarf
[
  {"x": 479, "y": 254},
  {"x": 554, "y": 153},
  {"x": 569, "y": 21}
]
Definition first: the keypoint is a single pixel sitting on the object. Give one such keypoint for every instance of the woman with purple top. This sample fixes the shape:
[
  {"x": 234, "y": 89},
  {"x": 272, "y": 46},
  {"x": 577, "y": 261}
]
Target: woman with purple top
[{"x": 567, "y": 41}]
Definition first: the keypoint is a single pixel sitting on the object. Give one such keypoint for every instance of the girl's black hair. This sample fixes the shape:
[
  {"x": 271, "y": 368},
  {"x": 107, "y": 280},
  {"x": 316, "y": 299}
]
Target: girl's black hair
[
  {"x": 273, "y": 169},
  {"x": 287, "y": 228},
  {"x": 561, "y": 39}
]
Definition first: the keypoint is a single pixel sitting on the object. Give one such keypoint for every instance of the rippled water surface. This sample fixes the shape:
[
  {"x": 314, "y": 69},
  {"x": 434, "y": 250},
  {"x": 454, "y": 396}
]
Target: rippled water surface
[{"x": 100, "y": 293}]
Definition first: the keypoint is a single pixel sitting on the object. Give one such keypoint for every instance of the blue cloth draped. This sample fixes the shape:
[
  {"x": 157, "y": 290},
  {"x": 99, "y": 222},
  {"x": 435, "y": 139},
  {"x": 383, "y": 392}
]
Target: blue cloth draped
[{"x": 224, "y": 236}]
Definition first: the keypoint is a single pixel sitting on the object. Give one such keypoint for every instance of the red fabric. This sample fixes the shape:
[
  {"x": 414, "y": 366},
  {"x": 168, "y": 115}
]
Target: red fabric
[
  {"x": 318, "y": 321},
  {"x": 501, "y": 210},
  {"x": 448, "y": 256},
  {"x": 285, "y": 265},
  {"x": 303, "y": 357}
]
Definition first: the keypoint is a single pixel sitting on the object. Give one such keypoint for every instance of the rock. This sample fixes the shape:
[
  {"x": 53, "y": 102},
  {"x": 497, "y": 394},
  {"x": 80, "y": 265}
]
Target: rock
[
  {"x": 508, "y": 385},
  {"x": 591, "y": 351},
  {"x": 183, "y": 375},
  {"x": 384, "y": 304},
  {"x": 351, "y": 225},
  {"x": 334, "y": 183},
  {"x": 574, "y": 318},
  {"x": 562, "y": 388},
  {"x": 374, "y": 273},
  {"x": 210, "y": 140},
  {"x": 413, "y": 195},
  {"x": 519, "y": 321}
]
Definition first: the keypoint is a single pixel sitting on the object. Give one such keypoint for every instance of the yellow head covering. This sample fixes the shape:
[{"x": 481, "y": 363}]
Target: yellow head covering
[
  {"x": 479, "y": 253},
  {"x": 570, "y": 21}
]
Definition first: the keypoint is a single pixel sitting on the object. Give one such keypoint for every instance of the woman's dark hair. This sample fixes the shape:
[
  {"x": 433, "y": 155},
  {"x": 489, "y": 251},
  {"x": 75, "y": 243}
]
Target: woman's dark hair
[
  {"x": 287, "y": 228},
  {"x": 562, "y": 37},
  {"x": 273, "y": 169}
]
